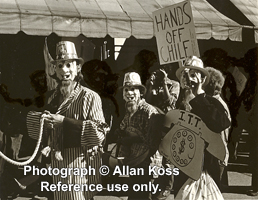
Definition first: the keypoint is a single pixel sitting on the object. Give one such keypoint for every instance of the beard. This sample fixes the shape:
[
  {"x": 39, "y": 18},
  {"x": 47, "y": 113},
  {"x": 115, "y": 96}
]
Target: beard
[
  {"x": 66, "y": 88},
  {"x": 131, "y": 106}
]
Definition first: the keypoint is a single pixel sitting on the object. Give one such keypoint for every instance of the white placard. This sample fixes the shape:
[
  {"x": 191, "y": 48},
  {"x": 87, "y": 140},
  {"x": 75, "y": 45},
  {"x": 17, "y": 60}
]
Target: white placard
[{"x": 175, "y": 33}]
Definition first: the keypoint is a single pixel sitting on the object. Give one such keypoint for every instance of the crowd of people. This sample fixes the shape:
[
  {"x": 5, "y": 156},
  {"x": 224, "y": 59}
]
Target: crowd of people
[{"x": 92, "y": 107}]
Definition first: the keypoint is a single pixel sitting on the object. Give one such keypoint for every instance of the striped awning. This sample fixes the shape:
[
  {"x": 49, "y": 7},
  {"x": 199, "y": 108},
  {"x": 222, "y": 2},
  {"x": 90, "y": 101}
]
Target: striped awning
[
  {"x": 250, "y": 9},
  {"x": 98, "y": 18}
]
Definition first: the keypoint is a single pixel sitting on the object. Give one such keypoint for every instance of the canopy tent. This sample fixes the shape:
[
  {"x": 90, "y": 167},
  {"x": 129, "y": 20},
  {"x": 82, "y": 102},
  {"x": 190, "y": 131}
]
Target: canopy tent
[
  {"x": 97, "y": 18},
  {"x": 250, "y": 9}
]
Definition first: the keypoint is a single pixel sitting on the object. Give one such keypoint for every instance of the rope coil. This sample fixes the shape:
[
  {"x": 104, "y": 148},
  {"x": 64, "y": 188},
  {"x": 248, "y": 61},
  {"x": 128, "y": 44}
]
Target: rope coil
[{"x": 34, "y": 153}]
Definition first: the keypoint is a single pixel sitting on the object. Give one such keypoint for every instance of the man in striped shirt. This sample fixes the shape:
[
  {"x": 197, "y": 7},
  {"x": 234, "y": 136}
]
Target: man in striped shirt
[{"x": 74, "y": 119}]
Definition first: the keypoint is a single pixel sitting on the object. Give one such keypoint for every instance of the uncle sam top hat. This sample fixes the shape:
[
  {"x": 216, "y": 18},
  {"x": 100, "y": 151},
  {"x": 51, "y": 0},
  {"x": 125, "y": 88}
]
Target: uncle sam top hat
[
  {"x": 196, "y": 63},
  {"x": 133, "y": 79},
  {"x": 65, "y": 50}
]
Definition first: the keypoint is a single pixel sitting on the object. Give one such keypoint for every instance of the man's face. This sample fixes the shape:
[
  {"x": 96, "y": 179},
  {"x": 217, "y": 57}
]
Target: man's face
[
  {"x": 67, "y": 71},
  {"x": 131, "y": 94},
  {"x": 132, "y": 97},
  {"x": 190, "y": 78}
]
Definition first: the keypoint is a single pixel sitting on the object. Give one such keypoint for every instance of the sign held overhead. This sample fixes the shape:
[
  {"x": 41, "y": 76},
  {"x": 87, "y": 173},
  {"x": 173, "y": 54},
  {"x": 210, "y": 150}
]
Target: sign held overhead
[{"x": 175, "y": 33}]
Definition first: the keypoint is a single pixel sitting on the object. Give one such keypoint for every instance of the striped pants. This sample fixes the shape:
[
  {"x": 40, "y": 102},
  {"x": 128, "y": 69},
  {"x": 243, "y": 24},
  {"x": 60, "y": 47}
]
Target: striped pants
[{"x": 76, "y": 158}]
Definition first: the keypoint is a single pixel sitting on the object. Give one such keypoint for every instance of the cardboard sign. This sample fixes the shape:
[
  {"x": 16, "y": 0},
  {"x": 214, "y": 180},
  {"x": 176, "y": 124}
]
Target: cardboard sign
[
  {"x": 184, "y": 144},
  {"x": 240, "y": 80},
  {"x": 49, "y": 68},
  {"x": 175, "y": 33}
]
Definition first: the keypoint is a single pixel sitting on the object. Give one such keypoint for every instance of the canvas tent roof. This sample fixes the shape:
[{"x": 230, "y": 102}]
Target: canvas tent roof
[
  {"x": 250, "y": 9},
  {"x": 97, "y": 18}
]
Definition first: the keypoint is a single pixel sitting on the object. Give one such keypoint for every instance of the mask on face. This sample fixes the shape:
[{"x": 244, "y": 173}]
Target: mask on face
[
  {"x": 67, "y": 71},
  {"x": 132, "y": 97},
  {"x": 190, "y": 78}
]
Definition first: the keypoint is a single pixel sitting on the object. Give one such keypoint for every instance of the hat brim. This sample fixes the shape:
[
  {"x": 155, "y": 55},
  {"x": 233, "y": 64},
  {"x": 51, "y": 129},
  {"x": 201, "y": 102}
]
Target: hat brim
[
  {"x": 80, "y": 60},
  {"x": 141, "y": 87},
  {"x": 202, "y": 70}
]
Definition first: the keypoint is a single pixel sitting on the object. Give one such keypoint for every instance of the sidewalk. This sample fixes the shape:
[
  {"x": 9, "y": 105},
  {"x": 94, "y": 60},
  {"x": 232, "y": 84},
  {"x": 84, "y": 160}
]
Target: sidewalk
[{"x": 239, "y": 183}]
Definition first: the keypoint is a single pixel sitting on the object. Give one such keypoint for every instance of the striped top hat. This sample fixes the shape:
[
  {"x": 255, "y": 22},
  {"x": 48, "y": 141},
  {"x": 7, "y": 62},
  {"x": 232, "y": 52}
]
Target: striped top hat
[{"x": 65, "y": 50}]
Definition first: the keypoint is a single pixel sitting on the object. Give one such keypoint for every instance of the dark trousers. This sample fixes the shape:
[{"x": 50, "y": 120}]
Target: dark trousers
[
  {"x": 140, "y": 180},
  {"x": 179, "y": 180}
]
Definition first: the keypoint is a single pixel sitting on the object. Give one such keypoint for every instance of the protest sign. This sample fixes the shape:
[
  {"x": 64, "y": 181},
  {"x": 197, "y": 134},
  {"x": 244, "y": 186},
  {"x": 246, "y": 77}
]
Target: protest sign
[
  {"x": 175, "y": 33},
  {"x": 240, "y": 80},
  {"x": 184, "y": 143}
]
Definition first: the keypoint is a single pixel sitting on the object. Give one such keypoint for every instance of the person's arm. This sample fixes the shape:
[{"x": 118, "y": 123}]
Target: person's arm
[
  {"x": 149, "y": 87},
  {"x": 171, "y": 94},
  {"x": 211, "y": 111},
  {"x": 89, "y": 132},
  {"x": 33, "y": 124},
  {"x": 33, "y": 117},
  {"x": 166, "y": 94}
]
